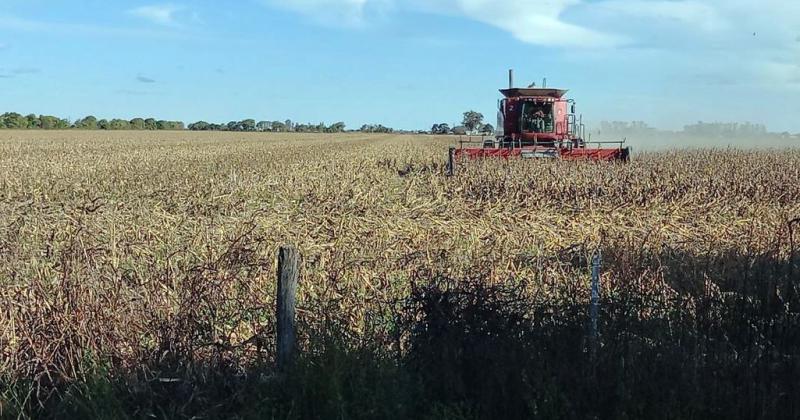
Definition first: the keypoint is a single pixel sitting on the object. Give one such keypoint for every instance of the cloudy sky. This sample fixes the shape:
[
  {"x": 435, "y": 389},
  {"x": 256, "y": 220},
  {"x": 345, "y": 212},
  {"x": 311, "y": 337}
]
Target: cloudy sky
[{"x": 404, "y": 63}]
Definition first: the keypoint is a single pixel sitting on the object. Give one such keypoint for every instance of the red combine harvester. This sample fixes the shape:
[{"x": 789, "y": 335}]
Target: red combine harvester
[{"x": 538, "y": 122}]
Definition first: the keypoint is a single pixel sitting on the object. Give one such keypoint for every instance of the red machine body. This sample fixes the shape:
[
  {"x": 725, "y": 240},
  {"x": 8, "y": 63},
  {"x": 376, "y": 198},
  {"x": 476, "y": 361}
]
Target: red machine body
[{"x": 540, "y": 122}]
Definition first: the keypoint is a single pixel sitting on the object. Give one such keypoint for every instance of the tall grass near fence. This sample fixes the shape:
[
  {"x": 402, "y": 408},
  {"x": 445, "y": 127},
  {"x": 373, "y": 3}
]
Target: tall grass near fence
[{"x": 472, "y": 350}]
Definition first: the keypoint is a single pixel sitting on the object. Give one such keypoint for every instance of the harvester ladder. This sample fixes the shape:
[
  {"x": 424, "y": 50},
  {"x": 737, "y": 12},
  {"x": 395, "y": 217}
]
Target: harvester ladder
[{"x": 571, "y": 121}]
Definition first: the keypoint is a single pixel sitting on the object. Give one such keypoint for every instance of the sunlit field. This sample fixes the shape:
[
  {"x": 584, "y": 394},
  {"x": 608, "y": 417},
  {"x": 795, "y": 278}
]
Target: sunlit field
[{"x": 123, "y": 252}]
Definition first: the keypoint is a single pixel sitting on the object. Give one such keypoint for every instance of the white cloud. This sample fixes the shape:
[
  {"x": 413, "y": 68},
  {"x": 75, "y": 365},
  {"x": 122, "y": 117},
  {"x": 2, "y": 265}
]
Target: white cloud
[
  {"x": 720, "y": 39},
  {"x": 26, "y": 70},
  {"x": 163, "y": 14},
  {"x": 589, "y": 24},
  {"x": 542, "y": 23},
  {"x": 336, "y": 12},
  {"x": 537, "y": 24},
  {"x": 19, "y": 71},
  {"x": 19, "y": 24},
  {"x": 690, "y": 12},
  {"x": 144, "y": 79}
]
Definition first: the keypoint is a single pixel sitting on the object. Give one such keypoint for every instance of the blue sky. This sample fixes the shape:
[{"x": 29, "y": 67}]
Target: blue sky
[{"x": 403, "y": 63}]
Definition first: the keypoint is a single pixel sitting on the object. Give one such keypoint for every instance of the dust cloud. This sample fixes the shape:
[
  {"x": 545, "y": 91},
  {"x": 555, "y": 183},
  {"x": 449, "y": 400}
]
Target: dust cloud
[{"x": 644, "y": 142}]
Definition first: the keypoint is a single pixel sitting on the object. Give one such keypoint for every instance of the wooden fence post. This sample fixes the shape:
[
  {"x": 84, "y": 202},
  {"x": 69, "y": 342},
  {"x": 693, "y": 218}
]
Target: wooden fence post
[
  {"x": 288, "y": 272},
  {"x": 451, "y": 164},
  {"x": 792, "y": 246}
]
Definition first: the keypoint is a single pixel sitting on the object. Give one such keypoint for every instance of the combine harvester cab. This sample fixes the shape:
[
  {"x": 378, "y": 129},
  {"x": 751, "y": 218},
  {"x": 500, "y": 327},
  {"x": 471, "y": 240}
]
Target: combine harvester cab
[{"x": 539, "y": 122}]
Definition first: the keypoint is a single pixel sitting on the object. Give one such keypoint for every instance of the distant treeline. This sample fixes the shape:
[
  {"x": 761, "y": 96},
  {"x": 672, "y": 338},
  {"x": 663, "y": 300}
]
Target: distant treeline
[
  {"x": 285, "y": 126},
  {"x": 268, "y": 126},
  {"x": 704, "y": 129},
  {"x": 13, "y": 120},
  {"x": 726, "y": 129}
]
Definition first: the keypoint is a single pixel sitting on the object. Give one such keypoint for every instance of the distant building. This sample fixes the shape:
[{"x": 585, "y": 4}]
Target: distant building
[{"x": 460, "y": 130}]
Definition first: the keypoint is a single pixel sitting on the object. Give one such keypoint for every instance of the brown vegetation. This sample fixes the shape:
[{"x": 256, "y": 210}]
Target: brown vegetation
[{"x": 128, "y": 248}]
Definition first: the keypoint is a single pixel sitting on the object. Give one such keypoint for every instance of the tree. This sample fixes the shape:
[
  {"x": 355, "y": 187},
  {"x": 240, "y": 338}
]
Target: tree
[
  {"x": 278, "y": 126},
  {"x": 88, "y": 123},
  {"x": 137, "y": 124},
  {"x": 442, "y": 128},
  {"x": 337, "y": 127},
  {"x": 103, "y": 124},
  {"x": 117, "y": 124},
  {"x": 264, "y": 126},
  {"x": 169, "y": 125},
  {"x": 472, "y": 120},
  {"x": 150, "y": 124},
  {"x": 289, "y": 126},
  {"x": 49, "y": 122},
  {"x": 375, "y": 128},
  {"x": 487, "y": 129},
  {"x": 247, "y": 125},
  {"x": 33, "y": 121},
  {"x": 200, "y": 126},
  {"x": 13, "y": 120}
]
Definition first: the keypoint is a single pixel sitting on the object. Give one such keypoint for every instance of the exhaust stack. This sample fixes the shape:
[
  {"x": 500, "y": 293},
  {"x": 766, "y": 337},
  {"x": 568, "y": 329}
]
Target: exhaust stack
[{"x": 511, "y": 78}]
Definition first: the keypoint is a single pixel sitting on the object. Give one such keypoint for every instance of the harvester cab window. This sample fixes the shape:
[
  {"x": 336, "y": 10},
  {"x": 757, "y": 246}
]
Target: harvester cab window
[{"x": 537, "y": 117}]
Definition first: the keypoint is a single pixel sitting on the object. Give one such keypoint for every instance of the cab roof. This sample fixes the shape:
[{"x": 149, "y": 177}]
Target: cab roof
[{"x": 534, "y": 92}]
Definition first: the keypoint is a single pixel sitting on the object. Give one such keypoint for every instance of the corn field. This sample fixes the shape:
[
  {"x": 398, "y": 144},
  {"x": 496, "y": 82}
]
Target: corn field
[{"x": 130, "y": 250}]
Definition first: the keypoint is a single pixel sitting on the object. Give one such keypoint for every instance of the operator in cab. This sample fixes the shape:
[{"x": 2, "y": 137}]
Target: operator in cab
[{"x": 538, "y": 121}]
